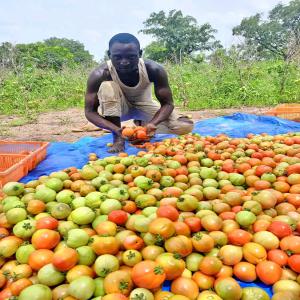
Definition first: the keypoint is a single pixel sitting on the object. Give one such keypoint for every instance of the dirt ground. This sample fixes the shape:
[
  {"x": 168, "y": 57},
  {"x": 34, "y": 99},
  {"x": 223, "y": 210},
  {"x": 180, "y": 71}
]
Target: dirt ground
[{"x": 57, "y": 125}]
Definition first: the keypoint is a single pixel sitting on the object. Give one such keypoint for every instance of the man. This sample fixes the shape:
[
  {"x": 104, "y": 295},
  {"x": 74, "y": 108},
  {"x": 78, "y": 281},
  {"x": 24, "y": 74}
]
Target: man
[{"x": 121, "y": 89}]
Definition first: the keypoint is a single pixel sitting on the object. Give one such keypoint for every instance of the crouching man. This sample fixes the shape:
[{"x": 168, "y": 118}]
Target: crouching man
[{"x": 121, "y": 89}]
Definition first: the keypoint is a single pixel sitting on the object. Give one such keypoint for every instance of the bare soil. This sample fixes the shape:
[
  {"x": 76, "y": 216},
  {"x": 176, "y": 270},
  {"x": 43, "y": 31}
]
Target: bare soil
[{"x": 57, "y": 125}]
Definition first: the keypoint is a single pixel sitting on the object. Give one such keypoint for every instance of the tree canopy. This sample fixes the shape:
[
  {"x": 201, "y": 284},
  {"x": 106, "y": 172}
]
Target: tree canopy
[
  {"x": 52, "y": 53},
  {"x": 276, "y": 36},
  {"x": 177, "y": 36}
]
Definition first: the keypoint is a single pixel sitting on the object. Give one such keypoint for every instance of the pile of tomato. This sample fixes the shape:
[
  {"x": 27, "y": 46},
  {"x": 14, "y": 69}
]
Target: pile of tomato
[{"x": 198, "y": 212}]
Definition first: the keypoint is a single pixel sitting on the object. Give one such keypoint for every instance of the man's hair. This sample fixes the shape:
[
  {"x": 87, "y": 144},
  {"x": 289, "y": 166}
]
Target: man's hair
[{"x": 124, "y": 38}]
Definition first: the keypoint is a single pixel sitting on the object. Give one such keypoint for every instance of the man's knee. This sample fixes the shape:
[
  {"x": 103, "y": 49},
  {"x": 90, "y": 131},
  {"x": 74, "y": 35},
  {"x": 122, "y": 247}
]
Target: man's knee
[{"x": 182, "y": 125}]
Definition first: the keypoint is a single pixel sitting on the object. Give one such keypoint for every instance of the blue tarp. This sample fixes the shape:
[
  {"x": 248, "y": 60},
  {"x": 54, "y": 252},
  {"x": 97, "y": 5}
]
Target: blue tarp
[{"x": 61, "y": 155}]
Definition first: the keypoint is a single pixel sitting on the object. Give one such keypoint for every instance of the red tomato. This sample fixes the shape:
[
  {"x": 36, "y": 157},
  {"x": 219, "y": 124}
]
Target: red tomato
[
  {"x": 268, "y": 272},
  {"x": 194, "y": 223},
  {"x": 40, "y": 258},
  {"x": 239, "y": 237},
  {"x": 278, "y": 256},
  {"x": 168, "y": 211},
  {"x": 65, "y": 259},
  {"x": 280, "y": 229},
  {"x": 294, "y": 262},
  {"x": 148, "y": 274},
  {"x": 45, "y": 239},
  {"x": 119, "y": 217},
  {"x": 46, "y": 223}
]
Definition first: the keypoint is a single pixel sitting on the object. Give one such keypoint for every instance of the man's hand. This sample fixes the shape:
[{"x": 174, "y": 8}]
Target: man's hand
[{"x": 151, "y": 128}]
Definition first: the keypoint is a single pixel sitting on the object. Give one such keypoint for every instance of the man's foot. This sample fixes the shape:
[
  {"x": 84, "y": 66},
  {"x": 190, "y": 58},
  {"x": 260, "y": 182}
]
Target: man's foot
[{"x": 118, "y": 145}]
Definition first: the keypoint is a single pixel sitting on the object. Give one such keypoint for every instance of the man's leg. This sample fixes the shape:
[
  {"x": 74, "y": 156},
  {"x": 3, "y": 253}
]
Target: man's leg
[
  {"x": 112, "y": 105},
  {"x": 176, "y": 123}
]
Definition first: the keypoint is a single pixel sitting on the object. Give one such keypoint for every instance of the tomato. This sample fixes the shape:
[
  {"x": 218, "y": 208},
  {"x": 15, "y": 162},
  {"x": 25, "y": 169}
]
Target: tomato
[
  {"x": 118, "y": 282},
  {"x": 45, "y": 239},
  {"x": 187, "y": 202},
  {"x": 280, "y": 229},
  {"x": 239, "y": 237},
  {"x": 254, "y": 253},
  {"x": 210, "y": 265},
  {"x": 182, "y": 229},
  {"x": 208, "y": 295},
  {"x": 148, "y": 274},
  {"x": 250, "y": 293},
  {"x": 131, "y": 257},
  {"x": 82, "y": 287},
  {"x": 77, "y": 238},
  {"x": 105, "y": 264},
  {"x": 133, "y": 242},
  {"x": 18, "y": 286},
  {"x": 185, "y": 287},
  {"x": 65, "y": 259},
  {"x": 290, "y": 244},
  {"x": 286, "y": 286},
  {"x": 60, "y": 292},
  {"x": 119, "y": 217},
  {"x": 172, "y": 264},
  {"x": 268, "y": 272},
  {"x": 106, "y": 228},
  {"x": 228, "y": 288},
  {"x": 9, "y": 246},
  {"x": 167, "y": 211},
  {"x": 36, "y": 292},
  {"x": 267, "y": 239},
  {"x": 50, "y": 276},
  {"x": 230, "y": 255},
  {"x": 23, "y": 253},
  {"x": 211, "y": 223},
  {"x": 78, "y": 271},
  {"x": 245, "y": 271},
  {"x": 278, "y": 256},
  {"x": 203, "y": 281},
  {"x": 294, "y": 262},
  {"x": 202, "y": 242},
  {"x": 163, "y": 227},
  {"x": 194, "y": 223},
  {"x": 47, "y": 223}
]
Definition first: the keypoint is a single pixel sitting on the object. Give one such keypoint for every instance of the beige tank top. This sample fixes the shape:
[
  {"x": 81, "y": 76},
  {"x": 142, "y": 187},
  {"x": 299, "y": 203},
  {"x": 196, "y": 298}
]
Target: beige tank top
[{"x": 140, "y": 93}]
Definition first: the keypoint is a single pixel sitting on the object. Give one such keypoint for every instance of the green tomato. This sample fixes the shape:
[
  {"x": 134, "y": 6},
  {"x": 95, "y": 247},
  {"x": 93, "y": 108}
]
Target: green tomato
[
  {"x": 83, "y": 215},
  {"x": 86, "y": 256},
  {"x": 77, "y": 238},
  {"x": 24, "y": 229},
  {"x": 36, "y": 292},
  {"x": 23, "y": 253},
  {"x": 82, "y": 288},
  {"x": 50, "y": 276}
]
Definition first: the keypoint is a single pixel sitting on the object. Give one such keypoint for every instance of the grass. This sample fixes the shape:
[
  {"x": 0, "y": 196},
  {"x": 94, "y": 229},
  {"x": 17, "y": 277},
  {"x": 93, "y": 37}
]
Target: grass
[{"x": 195, "y": 86}]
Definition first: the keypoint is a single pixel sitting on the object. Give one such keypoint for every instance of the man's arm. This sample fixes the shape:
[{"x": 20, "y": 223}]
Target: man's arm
[
  {"x": 92, "y": 101},
  {"x": 162, "y": 90}
]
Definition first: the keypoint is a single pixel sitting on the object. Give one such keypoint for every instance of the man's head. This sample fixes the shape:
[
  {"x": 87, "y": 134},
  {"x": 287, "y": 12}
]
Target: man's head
[{"x": 124, "y": 52}]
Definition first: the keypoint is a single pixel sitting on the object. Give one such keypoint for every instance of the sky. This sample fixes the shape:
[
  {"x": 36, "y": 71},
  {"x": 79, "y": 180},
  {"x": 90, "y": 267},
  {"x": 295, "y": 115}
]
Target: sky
[{"x": 94, "y": 22}]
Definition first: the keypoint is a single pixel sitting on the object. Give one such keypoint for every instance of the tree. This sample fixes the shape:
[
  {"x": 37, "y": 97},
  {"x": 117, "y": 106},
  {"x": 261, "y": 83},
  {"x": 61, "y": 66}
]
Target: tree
[
  {"x": 156, "y": 51},
  {"x": 177, "y": 35},
  {"x": 80, "y": 55},
  {"x": 276, "y": 37}
]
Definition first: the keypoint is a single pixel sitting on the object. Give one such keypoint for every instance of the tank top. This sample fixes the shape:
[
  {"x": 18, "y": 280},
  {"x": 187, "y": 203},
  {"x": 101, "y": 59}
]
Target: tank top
[{"x": 140, "y": 93}]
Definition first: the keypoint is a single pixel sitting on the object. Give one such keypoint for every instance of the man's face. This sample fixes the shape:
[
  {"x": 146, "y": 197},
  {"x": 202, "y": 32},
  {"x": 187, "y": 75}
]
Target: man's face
[{"x": 124, "y": 57}]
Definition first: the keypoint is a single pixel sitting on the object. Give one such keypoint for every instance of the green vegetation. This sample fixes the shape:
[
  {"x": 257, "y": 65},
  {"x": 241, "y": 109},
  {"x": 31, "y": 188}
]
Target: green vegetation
[{"x": 262, "y": 70}]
